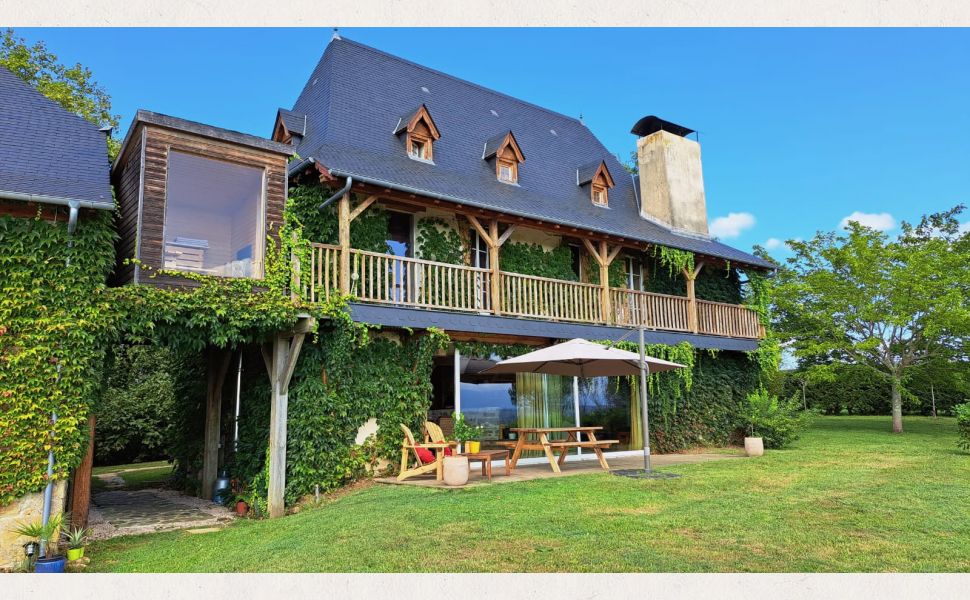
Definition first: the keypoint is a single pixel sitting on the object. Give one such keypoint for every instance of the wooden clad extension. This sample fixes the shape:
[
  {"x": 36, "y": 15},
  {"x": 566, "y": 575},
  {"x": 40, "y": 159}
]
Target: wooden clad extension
[{"x": 140, "y": 177}]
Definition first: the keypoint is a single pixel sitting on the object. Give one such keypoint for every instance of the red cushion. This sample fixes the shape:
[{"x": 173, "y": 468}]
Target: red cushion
[
  {"x": 425, "y": 455},
  {"x": 447, "y": 451}
]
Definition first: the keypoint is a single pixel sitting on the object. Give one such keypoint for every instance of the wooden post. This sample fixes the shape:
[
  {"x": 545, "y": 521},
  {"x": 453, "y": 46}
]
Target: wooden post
[
  {"x": 493, "y": 263},
  {"x": 343, "y": 224},
  {"x": 81, "y": 490},
  {"x": 280, "y": 365},
  {"x": 296, "y": 289},
  {"x": 692, "y": 317},
  {"x": 604, "y": 258},
  {"x": 494, "y": 242},
  {"x": 217, "y": 364}
]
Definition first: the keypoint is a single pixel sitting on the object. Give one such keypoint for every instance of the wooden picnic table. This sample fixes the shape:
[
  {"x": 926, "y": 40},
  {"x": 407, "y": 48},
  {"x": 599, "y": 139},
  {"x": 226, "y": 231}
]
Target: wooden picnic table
[{"x": 537, "y": 438}]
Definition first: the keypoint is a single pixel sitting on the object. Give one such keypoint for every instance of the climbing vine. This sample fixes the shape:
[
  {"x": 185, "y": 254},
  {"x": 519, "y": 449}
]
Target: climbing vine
[
  {"x": 533, "y": 259},
  {"x": 439, "y": 242},
  {"x": 674, "y": 260},
  {"x": 758, "y": 295},
  {"x": 486, "y": 350}
]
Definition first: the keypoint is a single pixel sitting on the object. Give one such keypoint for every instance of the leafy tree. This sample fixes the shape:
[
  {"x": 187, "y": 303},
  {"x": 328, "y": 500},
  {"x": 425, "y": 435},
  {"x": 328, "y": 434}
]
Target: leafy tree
[
  {"x": 861, "y": 297},
  {"x": 73, "y": 87}
]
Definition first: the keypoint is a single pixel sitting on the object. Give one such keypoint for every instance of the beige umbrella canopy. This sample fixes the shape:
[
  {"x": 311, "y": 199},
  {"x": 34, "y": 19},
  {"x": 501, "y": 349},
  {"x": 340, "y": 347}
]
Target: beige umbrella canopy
[{"x": 581, "y": 358}]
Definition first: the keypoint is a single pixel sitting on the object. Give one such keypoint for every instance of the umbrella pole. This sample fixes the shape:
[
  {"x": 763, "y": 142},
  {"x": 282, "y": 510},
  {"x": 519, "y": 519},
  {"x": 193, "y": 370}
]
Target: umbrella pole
[{"x": 644, "y": 411}]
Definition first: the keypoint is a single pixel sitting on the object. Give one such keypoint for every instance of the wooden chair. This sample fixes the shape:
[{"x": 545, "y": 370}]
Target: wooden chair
[
  {"x": 410, "y": 446},
  {"x": 435, "y": 435}
]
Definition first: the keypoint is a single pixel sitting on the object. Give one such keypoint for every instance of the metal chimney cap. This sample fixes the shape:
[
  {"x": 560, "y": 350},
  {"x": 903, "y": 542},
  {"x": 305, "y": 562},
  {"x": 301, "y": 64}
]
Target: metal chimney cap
[{"x": 652, "y": 124}]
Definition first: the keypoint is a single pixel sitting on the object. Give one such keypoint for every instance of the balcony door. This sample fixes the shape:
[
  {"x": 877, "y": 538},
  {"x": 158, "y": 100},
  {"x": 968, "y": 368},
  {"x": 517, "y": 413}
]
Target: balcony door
[
  {"x": 635, "y": 281},
  {"x": 479, "y": 256},
  {"x": 400, "y": 242}
]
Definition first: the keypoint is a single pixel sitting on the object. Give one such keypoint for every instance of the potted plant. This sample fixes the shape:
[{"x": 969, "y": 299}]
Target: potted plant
[
  {"x": 75, "y": 542},
  {"x": 467, "y": 434},
  {"x": 46, "y": 537},
  {"x": 772, "y": 422}
]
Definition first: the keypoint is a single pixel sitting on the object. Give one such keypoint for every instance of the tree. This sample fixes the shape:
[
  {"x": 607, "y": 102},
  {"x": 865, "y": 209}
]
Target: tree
[
  {"x": 72, "y": 87},
  {"x": 888, "y": 304}
]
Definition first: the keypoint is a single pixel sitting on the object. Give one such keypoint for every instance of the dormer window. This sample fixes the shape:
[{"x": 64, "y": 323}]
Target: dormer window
[
  {"x": 420, "y": 134},
  {"x": 507, "y": 155},
  {"x": 599, "y": 180}
]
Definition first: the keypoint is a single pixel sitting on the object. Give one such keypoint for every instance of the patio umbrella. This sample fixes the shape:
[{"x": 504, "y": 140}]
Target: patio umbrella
[{"x": 582, "y": 358}]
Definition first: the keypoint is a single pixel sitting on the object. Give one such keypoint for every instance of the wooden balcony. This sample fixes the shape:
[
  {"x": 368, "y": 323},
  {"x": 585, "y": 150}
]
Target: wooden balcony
[{"x": 411, "y": 282}]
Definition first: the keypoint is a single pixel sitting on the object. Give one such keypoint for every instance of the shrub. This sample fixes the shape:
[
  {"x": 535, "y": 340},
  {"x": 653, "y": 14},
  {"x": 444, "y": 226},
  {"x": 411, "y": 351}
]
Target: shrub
[
  {"x": 778, "y": 422},
  {"x": 962, "y": 412}
]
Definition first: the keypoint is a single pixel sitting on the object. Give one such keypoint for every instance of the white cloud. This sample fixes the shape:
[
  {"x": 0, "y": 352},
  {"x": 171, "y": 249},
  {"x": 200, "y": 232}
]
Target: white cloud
[
  {"x": 878, "y": 221},
  {"x": 773, "y": 243},
  {"x": 732, "y": 225},
  {"x": 965, "y": 227}
]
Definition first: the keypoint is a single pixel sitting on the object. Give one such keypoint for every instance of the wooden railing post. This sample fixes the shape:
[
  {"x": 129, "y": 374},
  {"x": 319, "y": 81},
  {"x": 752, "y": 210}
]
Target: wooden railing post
[
  {"x": 343, "y": 224},
  {"x": 692, "y": 298},
  {"x": 296, "y": 287}
]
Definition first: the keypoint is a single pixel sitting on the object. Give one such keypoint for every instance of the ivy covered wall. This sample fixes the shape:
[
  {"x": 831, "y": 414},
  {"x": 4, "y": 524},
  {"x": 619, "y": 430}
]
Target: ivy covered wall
[{"x": 53, "y": 334}]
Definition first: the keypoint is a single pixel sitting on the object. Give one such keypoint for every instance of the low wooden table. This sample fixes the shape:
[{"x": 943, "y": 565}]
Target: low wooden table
[{"x": 487, "y": 456}]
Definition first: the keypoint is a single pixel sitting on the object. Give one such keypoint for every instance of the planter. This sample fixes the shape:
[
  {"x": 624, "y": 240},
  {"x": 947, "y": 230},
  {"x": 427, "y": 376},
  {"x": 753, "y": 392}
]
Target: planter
[
  {"x": 754, "y": 446},
  {"x": 75, "y": 553},
  {"x": 242, "y": 508},
  {"x": 456, "y": 470},
  {"x": 473, "y": 447},
  {"x": 53, "y": 564}
]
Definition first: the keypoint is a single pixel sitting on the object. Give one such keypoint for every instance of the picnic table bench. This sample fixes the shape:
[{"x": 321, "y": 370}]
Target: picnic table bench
[{"x": 537, "y": 438}]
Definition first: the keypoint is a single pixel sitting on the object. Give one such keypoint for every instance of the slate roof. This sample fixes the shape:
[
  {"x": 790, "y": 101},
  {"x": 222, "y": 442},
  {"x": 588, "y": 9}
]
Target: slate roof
[
  {"x": 356, "y": 95},
  {"x": 585, "y": 173},
  {"x": 295, "y": 122},
  {"x": 47, "y": 152}
]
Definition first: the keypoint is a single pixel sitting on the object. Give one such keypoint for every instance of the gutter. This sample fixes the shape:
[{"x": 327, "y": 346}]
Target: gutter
[{"x": 101, "y": 205}]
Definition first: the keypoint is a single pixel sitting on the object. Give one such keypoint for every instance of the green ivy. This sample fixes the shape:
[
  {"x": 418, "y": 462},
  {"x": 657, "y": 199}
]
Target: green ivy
[
  {"x": 439, "y": 242},
  {"x": 368, "y": 231},
  {"x": 533, "y": 259}
]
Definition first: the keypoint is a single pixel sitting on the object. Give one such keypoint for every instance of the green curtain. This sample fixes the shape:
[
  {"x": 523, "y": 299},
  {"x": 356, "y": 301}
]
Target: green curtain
[
  {"x": 636, "y": 417},
  {"x": 540, "y": 402}
]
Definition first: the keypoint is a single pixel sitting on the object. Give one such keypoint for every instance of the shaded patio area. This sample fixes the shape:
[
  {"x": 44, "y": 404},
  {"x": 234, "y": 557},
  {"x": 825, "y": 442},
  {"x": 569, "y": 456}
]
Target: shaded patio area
[{"x": 529, "y": 472}]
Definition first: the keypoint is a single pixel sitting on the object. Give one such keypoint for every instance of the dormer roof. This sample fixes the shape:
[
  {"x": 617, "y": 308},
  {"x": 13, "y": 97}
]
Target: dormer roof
[
  {"x": 498, "y": 143},
  {"x": 590, "y": 171}
]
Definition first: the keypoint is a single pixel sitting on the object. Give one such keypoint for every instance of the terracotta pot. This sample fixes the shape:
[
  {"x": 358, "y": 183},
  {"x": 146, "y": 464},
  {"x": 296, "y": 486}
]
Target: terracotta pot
[
  {"x": 754, "y": 446},
  {"x": 242, "y": 508},
  {"x": 456, "y": 470}
]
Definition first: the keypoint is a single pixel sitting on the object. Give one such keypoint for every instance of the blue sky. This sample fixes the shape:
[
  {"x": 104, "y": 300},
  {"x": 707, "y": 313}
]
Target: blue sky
[{"x": 799, "y": 128}]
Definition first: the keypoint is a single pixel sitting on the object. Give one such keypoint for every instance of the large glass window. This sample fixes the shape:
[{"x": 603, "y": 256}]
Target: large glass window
[{"x": 214, "y": 217}]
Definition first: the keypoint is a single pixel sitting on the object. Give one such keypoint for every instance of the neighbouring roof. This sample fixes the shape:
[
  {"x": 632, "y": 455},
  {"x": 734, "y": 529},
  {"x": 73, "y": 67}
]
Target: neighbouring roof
[
  {"x": 295, "y": 123},
  {"x": 203, "y": 130},
  {"x": 356, "y": 95},
  {"x": 47, "y": 153}
]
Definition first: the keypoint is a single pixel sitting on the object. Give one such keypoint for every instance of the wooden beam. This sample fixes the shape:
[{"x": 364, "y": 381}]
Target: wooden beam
[
  {"x": 286, "y": 353},
  {"x": 605, "y": 261},
  {"x": 294, "y": 354},
  {"x": 616, "y": 250},
  {"x": 217, "y": 364},
  {"x": 593, "y": 251},
  {"x": 81, "y": 490},
  {"x": 692, "y": 317},
  {"x": 506, "y": 235},
  {"x": 267, "y": 360},
  {"x": 362, "y": 207},
  {"x": 343, "y": 225},
  {"x": 481, "y": 230},
  {"x": 493, "y": 263}
]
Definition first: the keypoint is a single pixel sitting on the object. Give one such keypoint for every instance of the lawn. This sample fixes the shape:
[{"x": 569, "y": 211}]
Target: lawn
[
  {"x": 135, "y": 475},
  {"x": 848, "y": 496}
]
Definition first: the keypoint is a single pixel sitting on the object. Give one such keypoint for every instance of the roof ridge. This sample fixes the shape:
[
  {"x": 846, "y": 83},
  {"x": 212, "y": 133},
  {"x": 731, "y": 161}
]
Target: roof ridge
[{"x": 450, "y": 76}]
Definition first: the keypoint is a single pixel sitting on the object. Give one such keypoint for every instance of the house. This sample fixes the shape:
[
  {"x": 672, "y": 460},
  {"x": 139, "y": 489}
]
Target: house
[
  {"x": 501, "y": 222},
  {"x": 53, "y": 178}
]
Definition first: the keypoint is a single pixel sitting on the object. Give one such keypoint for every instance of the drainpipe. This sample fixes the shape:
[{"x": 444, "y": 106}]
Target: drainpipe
[
  {"x": 74, "y": 207},
  {"x": 339, "y": 194},
  {"x": 235, "y": 420}
]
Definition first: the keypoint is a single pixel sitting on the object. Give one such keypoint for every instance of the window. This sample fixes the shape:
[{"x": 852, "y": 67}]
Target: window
[
  {"x": 214, "y": 217},
  {"x": 506, "y": 172},
  {"x": 634, "y": 274},
  {"x": 479, "y": 251},
  {"x": 599, "y": 196},
  {"x": 419, "y": 149}
]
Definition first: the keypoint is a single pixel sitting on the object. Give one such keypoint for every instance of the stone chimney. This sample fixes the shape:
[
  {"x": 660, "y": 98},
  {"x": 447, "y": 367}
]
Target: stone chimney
[{"x": 671, "y": 181}]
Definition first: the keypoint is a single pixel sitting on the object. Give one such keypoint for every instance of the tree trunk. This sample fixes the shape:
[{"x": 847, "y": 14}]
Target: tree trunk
[
  {"x": 933, "y": 399},
  {"x": 897, "y": 405},
  {"x": 81, "y": 492}
]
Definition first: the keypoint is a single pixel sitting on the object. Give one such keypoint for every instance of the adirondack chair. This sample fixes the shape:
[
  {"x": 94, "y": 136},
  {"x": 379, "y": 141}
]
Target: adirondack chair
[
  {"x": 410, "y": 446},
  {"x": 435, "y": 434}
]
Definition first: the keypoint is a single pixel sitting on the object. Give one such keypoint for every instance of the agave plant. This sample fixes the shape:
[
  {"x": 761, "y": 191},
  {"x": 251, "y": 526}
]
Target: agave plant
[
  {"x": 76, "y": 537},
  {"x": 45, "y": 534}
]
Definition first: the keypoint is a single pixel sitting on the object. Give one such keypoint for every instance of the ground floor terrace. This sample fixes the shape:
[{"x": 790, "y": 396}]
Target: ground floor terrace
[{"x": 848, "y": 496}]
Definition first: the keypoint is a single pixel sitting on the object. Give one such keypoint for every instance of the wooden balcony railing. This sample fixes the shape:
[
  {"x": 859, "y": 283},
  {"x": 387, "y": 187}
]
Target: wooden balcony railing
[
  {"x": 655, "y": 311},
  {"x": 531, "y": 296},
  {"x": 387, "y": 279},
  {"x": 731, "y": 320}
]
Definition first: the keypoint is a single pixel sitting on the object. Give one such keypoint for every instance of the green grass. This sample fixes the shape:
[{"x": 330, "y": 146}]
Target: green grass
[
  {"x": 135, "y": 475},
  {"x": 849, "y": 496}
]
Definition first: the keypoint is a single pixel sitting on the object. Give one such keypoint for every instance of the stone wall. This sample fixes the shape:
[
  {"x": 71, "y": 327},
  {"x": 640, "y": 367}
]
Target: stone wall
[{"x": 28, "y": 509}]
